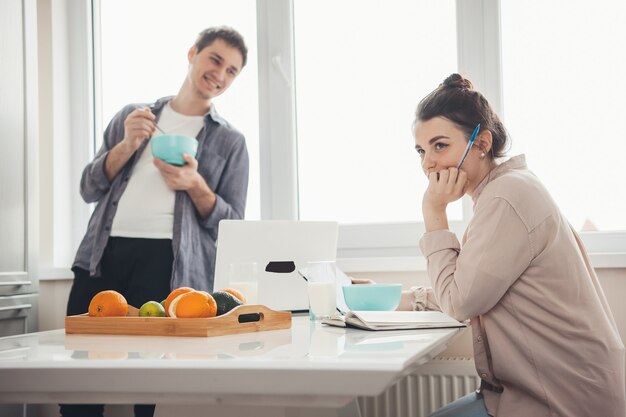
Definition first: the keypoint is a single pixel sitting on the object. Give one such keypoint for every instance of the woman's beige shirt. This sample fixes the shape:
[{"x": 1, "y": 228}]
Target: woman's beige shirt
[{"x": 542, "y": 328}]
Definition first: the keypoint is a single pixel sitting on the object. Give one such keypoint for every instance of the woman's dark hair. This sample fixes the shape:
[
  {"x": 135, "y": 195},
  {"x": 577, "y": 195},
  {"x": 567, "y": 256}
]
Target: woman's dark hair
[
  {"x": 456, "y": 100},
  {"x": 225, "y": 33}
]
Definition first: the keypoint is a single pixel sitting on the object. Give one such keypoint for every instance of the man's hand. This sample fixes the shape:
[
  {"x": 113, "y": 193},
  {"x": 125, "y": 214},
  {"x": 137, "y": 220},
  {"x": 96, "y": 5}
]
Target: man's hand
[
  {"x": 138, "y": 126},
  {"x": 187, "y": 178},
  {"x": 182, "y": 178}
]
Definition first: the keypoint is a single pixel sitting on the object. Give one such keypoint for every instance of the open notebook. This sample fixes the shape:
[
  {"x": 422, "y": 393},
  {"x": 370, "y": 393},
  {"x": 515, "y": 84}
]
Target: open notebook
[{"x": 393, "y": 320}]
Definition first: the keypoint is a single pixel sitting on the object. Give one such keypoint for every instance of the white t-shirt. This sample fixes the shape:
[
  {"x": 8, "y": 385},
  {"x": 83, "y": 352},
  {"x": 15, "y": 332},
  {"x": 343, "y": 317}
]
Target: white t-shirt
[{"x": 146, "y": 208}]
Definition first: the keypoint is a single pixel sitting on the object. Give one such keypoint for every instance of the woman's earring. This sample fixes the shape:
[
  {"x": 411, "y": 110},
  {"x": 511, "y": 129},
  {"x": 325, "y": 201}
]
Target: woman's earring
[{"x": 482, "y": 155}]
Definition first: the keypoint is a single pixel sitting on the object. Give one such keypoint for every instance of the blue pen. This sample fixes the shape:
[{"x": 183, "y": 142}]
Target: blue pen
[{"x": 469, "y": 145}]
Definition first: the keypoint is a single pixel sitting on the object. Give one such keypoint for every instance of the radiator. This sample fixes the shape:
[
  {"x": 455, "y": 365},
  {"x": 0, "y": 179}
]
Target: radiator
[{"x": 428, "y": 388}]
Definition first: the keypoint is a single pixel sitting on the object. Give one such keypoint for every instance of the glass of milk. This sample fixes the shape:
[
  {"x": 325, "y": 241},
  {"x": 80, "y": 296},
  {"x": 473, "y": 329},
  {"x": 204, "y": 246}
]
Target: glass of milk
[
  {"x": 243, "y": 276},
  {"x": 322, "y": 287}
]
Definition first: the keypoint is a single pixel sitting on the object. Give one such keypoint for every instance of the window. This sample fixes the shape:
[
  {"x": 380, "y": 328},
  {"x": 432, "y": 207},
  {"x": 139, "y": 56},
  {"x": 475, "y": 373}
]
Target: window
[
  {"x": 143, "y": 55},
  {"x": 563, "y": 95},
  {"x": 361, "y": 67},
  {"x": 328, "y": 114}
]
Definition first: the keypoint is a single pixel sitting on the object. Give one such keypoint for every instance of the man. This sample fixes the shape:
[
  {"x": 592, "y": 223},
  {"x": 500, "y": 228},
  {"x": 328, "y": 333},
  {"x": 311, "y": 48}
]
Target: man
[{"x": 155, "y": 225}]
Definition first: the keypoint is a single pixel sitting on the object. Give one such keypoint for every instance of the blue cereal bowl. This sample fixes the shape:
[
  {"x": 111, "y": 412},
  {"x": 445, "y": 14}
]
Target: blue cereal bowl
[
  {"x": 372, "y": 297},
  {"x": 170, "y": 148}
]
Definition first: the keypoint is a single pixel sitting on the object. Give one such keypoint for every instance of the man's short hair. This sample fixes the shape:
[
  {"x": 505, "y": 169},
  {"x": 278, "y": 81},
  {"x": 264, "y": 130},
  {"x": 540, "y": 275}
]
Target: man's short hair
[{"x": 225, "y": 33}]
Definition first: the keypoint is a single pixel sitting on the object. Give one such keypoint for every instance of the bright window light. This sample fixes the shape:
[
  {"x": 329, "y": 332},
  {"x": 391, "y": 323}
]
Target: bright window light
[
  {"x": 563, "y": 69},
  {"x": 144, "y": 45},
  {"x": 361, "y": 68}
]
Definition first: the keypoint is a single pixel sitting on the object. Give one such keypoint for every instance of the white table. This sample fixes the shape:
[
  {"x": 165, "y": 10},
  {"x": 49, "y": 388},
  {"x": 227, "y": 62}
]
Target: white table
[{"x": 310, "y": 369}]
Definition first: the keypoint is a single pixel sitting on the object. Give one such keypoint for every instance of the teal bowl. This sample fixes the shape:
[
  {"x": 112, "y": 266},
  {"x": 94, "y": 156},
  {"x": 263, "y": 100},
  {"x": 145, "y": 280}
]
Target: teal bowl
[
  {"x": 372, "y": 297},
  {"x": 170, "y": 148}
]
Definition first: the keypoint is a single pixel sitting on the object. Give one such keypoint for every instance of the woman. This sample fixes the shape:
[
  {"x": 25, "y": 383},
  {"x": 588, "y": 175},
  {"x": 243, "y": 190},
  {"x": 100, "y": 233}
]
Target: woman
[{"x": 545, "y": 342}]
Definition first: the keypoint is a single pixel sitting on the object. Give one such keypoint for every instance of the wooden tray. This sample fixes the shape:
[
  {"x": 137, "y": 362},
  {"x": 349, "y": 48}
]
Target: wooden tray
[{"x": 242, "y": 319}]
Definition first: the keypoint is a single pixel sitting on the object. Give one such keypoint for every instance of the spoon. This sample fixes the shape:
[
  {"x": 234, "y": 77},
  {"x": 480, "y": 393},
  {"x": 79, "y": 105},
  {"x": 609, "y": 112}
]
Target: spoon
[
  {"x": 155, "y": 124},
  {"x": 159, "y": 129}
]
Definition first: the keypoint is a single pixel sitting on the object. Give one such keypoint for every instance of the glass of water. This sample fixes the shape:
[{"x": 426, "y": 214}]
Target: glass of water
[
  {"x": 322, "y": 288},
  {"x": 243, "y": 276}
]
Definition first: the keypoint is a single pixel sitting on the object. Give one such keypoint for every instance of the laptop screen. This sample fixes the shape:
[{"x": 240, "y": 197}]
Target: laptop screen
[{"x": 281, "y": 246}]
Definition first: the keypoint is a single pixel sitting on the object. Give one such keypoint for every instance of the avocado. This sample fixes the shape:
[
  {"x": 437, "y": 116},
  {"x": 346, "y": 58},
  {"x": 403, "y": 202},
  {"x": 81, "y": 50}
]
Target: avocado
[{"x": 225, "y": 302}]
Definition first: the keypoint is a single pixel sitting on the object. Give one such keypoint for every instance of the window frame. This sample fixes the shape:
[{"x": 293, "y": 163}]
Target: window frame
[
  {"x": 479, "y": 58},
  {"x": 278, "y": 135},
  {"x": 361, "y": 247}
]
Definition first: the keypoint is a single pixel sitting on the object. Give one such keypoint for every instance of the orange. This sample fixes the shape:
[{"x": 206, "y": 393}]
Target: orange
[
  {"x": 178, "y": 291},
  {"x": 193, "y": 304},
  {"x": 236, "y": 293},
  {"x": 107, "y": 304}
]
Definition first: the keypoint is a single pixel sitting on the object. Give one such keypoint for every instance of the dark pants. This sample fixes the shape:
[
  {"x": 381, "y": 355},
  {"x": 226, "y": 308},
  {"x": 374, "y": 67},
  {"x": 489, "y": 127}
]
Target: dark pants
[
  {"x": 97, "y": 410},
  {"x": 472, "y": 405},
  {"x": 140, "y": 270}
]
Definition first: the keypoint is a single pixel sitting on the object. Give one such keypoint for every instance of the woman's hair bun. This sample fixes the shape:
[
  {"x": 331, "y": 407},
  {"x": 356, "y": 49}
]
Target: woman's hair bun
[{"x": 457, "y": 81}]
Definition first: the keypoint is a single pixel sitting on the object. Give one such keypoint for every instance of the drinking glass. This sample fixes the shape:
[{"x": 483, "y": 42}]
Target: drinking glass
[
  {"x": 243, "y": 276},
  {"x": 322, "y": 288}
]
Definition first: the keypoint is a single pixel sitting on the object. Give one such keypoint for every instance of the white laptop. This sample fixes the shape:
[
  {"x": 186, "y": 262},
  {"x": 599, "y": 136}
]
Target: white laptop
[{"x": 279, "y": 242}]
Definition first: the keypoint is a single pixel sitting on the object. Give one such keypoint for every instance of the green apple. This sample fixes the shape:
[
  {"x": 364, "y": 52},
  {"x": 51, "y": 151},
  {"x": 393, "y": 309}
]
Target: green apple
[{"x": 152, "y": 309}]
